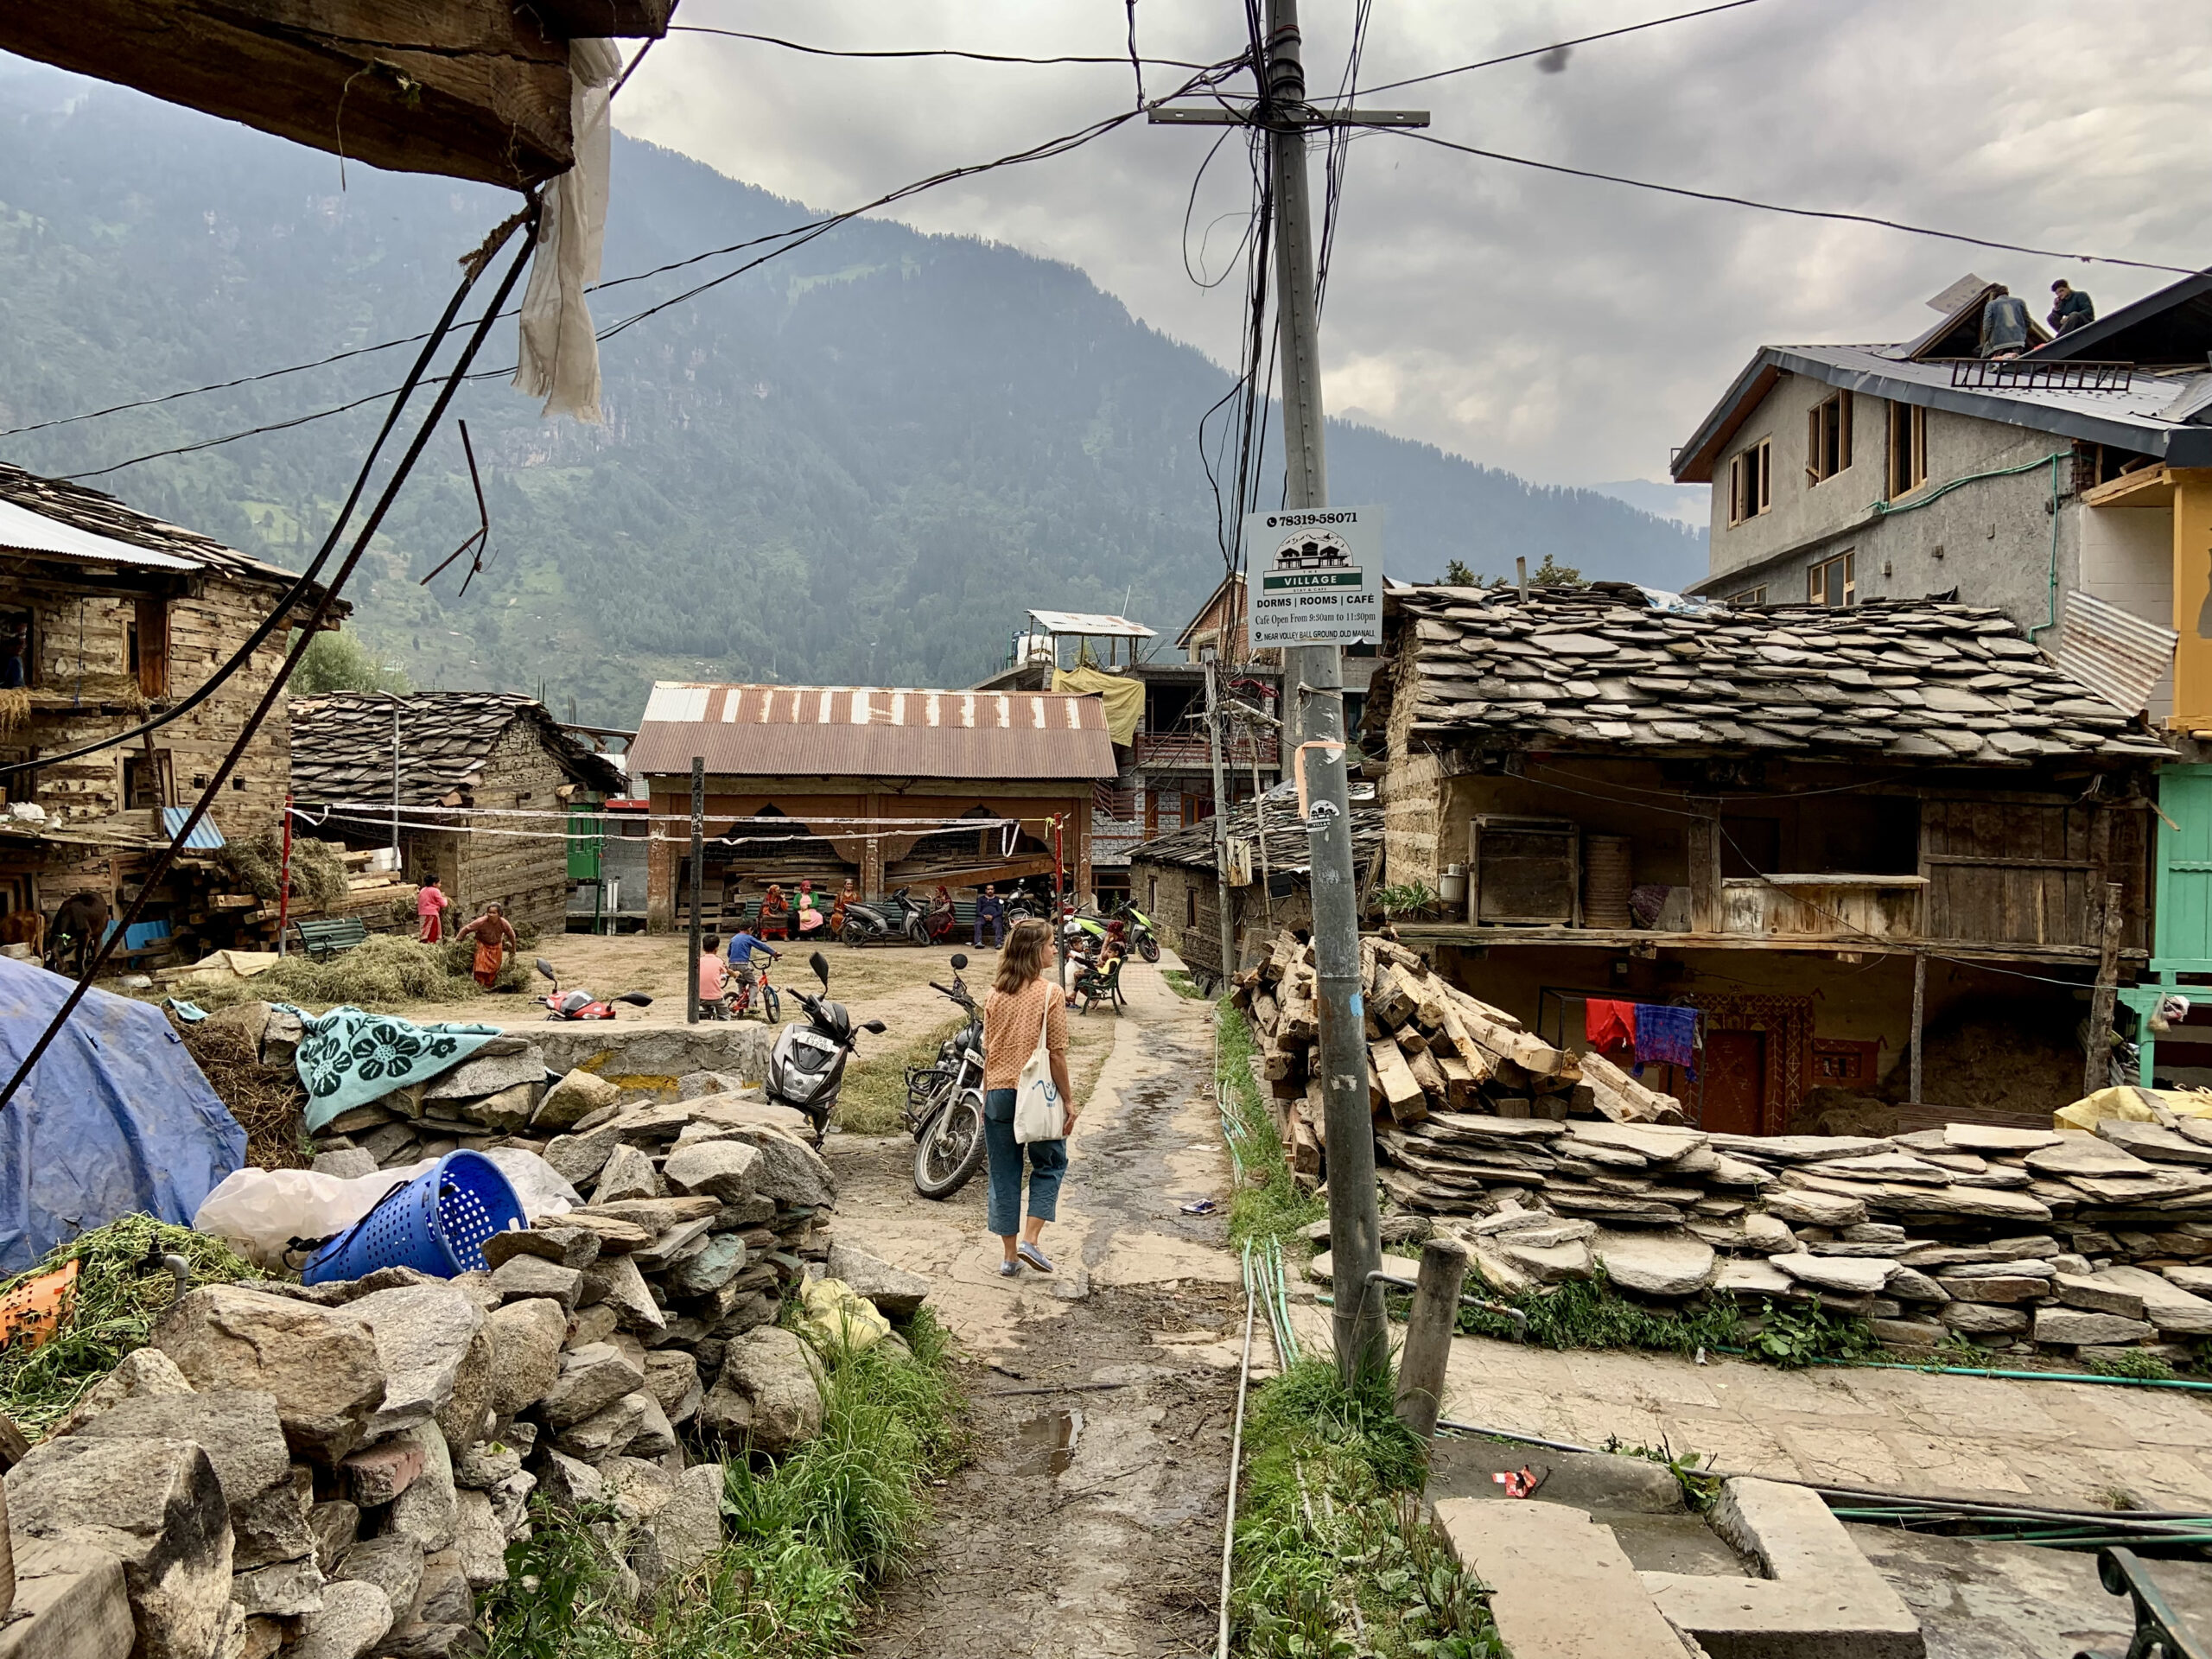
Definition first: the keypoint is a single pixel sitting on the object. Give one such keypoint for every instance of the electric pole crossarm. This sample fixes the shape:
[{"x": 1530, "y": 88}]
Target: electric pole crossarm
[{"x": 1169, "y": 115}]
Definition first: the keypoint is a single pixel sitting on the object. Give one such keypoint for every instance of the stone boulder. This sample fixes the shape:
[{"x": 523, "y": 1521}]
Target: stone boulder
[
  {"x": 1851, "y": 1275},
  {"x": 766, "y": 1396},
  {"x": 617, "y": 1281},
  {"x": 708, "y": 1270},
  {"x": 2166, "y": 1304},
  {"x": 480, "y": 1542},
  {"x": 423, "y": 1335},
  {"x": 533, "y": 1277},
  {"x": 353, "y": 1619},
  {"x": 321, "y": 1365},
  {"x": 576, "y": 1157},
  {"x": 792, "y": 1172},
  {"x": 550, "y": 1239},
  {"x": 688, "y": 1526},
  {"x": 723, "y": 1169},
  {"x": 1658, "y": 1263},
  {"x": 240, "y": 1432},
  {"x": 486, "y": 1072},
  {"x": 525, "y": 1338},
  {"x": 591, "y": 1378},
  {"x": 426, "y": 1511},
  {"x": 155, "y": 1505},
  {"x": 144, "y": 1374},
  {"x": 392, "y": 1563},
  {"x": 2073, "y": 1327},
  {"x": 672, "y": 1379},
  {"x": 897, "y": 1293},
  {"x": 575, "y": 1098},
  {"x": 628, "y": 1174},
  {"x": 607, "y": 1432}
]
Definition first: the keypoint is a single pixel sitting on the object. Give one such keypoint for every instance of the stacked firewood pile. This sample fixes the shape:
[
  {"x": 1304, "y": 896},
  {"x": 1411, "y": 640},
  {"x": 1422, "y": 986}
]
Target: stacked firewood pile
[{"x": 1436, "y": 1056}]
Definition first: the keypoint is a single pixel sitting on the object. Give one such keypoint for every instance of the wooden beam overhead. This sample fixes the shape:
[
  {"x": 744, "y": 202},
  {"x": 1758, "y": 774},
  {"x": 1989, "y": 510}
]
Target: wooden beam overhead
[{"x": 470, "y": 89}]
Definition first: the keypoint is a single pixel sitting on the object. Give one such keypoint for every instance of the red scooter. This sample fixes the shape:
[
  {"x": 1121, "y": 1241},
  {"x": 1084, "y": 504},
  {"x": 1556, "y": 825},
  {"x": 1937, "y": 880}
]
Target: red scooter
[{"x": 581, "y": 1005}]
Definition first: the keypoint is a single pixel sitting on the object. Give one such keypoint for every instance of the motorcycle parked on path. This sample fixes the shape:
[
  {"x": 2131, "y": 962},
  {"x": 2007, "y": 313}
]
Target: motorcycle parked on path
[
  {"x": 898, "y": 920},
  {"x": 581, "y": 1005},
  {"x": 1142, "y": 940},
  {"x": 806, "y": 1068},
  {"x": 944, "y": 1100}
]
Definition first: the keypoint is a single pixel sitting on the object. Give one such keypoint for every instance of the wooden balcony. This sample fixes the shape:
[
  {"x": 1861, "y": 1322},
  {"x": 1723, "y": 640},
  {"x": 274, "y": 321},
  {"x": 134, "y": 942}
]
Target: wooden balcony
[{"x": 1187, "y": 751}]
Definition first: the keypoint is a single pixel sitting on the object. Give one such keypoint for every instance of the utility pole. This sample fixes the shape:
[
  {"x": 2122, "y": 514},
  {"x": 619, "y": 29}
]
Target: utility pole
[
  {"x": 1220, "y": 828},
  {"x": 1313, "y": 685},
  {"x": 698, "y": 858}
]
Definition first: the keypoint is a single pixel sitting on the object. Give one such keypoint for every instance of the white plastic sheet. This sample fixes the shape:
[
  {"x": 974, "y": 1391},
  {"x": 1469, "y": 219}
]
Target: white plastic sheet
[{"x": 559, "y": 359}]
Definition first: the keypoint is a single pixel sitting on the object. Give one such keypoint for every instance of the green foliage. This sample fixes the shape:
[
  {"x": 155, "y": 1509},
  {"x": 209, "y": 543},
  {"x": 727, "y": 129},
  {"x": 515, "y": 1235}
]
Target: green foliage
[
  {"x": 1590, "y": 1313},
  {"x": 854, "y": 466},
  {"x": 122, "y": 1290},
  {"x": 1403, "y": 898},
  {"x": 1268, "y": 1202},
  {"x": 1794, "y": 1337},
  {"x": 1701, "y": 1487},
  {"x": 1458, "y": 575},
  {"x": 2139, "y": 1364},
  {"x": 1331, "y": 1556},
  {"x": 337, "y": 661},
  {"x": 808, "y": 1539},
  {"x": 1180, "y": 982}
]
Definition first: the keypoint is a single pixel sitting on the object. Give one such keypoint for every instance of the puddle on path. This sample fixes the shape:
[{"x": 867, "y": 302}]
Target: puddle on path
[{"x": 1047, "y": 1442}]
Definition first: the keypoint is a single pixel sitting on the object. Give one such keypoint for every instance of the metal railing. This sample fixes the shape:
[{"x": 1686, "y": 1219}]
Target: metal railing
[
  {"x": 2025, "y": 374},
  {"x": 1189, "y": 749}
]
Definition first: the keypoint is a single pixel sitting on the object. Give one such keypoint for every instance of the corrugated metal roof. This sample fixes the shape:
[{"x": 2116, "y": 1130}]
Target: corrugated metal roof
[
  {"x": 1095, "y": 625},
  {"x": 22, "y": 531},
  {"x": 2117, "y": 655},
  {"x": 205, "y": 837},
  {"x": 773, "y": 731}
]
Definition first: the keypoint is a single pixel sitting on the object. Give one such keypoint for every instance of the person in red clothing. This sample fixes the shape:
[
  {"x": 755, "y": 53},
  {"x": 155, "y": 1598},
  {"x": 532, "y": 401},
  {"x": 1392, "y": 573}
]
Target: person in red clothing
[
  {"x": 430, "y": 903},
  {"x": 496, "y": 941}
]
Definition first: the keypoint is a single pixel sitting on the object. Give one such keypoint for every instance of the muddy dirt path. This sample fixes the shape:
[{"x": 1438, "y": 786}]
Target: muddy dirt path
[{"x": 1089, "y": 1521}]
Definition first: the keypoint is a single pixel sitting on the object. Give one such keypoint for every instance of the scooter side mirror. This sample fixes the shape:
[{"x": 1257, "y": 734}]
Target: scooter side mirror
[
  {"x": 820, "y": 963},
  {"x": 875, "y": 1026},
  {"x": 545, "y": 968},
  {"x": 635, "y": 999},
  {"x": 959, "y": 961}
]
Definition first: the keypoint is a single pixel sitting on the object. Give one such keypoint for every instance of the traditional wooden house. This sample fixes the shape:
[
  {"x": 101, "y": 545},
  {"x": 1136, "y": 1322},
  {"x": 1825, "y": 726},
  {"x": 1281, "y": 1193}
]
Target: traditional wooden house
[
  {"x": 108, "y": 617},
  {"x": 1827, "y": 831},
  {"x": 1171, "y": 880},
  {"x": 484, "y": 784},
  {"x": 873, "y": 784}
]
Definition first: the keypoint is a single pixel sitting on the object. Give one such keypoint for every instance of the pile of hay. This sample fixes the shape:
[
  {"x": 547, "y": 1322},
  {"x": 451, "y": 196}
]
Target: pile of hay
[
  {"x": 267, "y": 1100},
  {"x": 319, "y": 878},
  {"x": 120, "y": 1298},
  {"x": 385, "y": 972}
]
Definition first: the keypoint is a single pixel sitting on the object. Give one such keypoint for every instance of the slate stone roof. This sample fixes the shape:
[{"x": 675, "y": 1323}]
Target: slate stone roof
[
  {"x": 1601, "y": 668},
  {"x": 341, "y": 746},
  {"x": 1288, "y": 848}
]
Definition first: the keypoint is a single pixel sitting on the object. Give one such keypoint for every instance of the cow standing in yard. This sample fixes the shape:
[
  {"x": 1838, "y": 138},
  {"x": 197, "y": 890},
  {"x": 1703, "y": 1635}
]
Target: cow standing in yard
[
  {"x": 79, "y": 926},
  {"x": 25, "y": 926}
]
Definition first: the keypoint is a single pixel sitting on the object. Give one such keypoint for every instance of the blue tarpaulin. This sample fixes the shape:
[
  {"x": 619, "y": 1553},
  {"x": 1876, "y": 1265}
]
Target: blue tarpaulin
[{"x": 117, "y": 1119}]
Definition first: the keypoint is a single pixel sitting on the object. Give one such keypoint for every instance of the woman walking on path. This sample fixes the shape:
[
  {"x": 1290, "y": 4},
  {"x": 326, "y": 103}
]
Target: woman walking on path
[{"x": 1024, "y": 999}]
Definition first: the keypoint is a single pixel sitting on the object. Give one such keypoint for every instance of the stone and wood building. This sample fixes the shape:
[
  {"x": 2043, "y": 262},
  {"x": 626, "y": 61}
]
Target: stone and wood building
[
  {"x": 488, "y": 785},
  {"x": 868, "y": 784},
  {"x": 108, "y": 617},
  {"x": 1837, "y": 833}
]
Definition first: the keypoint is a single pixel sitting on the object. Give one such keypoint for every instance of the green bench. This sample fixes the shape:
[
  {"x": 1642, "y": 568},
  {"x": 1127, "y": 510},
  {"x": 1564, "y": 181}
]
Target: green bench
[{"x": 325, "y": 940}]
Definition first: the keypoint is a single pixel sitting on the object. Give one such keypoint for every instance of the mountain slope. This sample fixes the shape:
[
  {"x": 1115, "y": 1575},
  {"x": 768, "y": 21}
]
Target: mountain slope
[{"x": 858, "y": 463}]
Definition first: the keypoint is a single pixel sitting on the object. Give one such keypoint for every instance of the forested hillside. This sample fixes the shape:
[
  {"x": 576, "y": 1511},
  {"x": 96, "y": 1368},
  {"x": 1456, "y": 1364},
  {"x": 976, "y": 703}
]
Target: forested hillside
[{"x": 859, "y": 463}]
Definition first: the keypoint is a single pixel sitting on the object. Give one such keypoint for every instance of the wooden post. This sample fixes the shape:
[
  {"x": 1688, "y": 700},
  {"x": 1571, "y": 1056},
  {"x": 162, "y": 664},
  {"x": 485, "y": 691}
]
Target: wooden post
[
  {"x": 284, "y": 878},
  {"x": 2096, "y": 1064},
  {"x": 1919, "y": 1012},
  {"x": 1429, "y": 1327},
  {"x": 692, "y": 882},
  {"x": 1702, "y": 836}
]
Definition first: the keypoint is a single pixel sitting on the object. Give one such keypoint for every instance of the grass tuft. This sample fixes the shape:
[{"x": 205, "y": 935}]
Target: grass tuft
[
  {"x": 808, "y": 1539},
  {"x": 873, "y": 1095},
  {"x": 1269, "y": 1203},
  {"x": 1333, "y": 1555},
  {"x": 118, "y": 1299}
]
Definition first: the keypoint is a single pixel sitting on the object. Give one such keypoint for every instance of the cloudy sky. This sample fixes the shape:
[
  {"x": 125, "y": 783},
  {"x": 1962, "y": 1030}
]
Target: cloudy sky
[{"x": 1570, "y": 331}]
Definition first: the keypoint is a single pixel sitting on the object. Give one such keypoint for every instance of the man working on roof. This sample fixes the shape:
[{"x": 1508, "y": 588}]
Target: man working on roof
[
  {"x": 2003, "y": 324},
  {"x": 2070, "y": 307}
]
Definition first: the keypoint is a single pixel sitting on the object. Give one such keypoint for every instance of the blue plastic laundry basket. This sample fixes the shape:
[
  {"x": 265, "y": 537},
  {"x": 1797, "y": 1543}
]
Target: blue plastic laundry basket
[{"x": 436, "y": 1223}]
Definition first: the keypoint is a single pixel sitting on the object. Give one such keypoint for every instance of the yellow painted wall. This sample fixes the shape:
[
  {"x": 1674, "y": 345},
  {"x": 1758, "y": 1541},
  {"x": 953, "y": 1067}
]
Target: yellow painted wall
[{"x": 2193, "y": 599}]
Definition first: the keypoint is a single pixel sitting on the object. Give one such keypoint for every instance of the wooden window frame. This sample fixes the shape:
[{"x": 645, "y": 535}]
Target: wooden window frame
[
  {"x": 1751, "y": 482},
  {"x": 1750, "y": 596},
  {"x": 1908, "y": 450},
  {"x": 1828, "y": 439},
  {"x": 1816, "y": 579},
  {"x": 146, "y": 645},
  {"x": 163, "y": 783}
]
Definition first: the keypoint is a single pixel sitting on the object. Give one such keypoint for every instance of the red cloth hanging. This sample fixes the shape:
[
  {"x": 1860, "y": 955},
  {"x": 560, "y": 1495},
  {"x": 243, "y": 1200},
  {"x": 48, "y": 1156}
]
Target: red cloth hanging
[{"x": 1609, "y": 1026}]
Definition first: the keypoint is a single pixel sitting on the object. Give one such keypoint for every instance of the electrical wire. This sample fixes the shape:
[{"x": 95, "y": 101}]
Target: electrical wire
[
  {"x": 303, "y": 585},
  {"x": 790, "y": 240},
  {"x": 1837, "y": 216},
  {"x": 1118, "y": 61},
  {"x": 1544, "y": 51},
  {"x": 162, "y": 863}
]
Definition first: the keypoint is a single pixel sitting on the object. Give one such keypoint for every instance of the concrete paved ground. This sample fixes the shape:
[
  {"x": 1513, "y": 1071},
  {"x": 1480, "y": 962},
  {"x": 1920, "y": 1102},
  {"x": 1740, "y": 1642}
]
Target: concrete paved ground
[{"x": 2072, "y": 1444}]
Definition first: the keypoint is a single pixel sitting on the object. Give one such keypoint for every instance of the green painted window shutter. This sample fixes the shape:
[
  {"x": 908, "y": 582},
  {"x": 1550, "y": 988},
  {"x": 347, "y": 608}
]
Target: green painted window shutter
[{"x": 2184, "y": 916}]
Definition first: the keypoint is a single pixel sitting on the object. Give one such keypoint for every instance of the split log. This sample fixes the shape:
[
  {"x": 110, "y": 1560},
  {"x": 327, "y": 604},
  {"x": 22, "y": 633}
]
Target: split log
[
  {"x": 1622, "y": 1098},
  {"x": 1400, "y": 1090},
  {"x": 1430, "y": 1076}
]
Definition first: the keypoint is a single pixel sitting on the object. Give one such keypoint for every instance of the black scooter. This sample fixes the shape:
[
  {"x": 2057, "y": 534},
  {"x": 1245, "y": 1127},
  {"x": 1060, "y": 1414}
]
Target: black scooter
[
  {"x": 807, "y": 1066},
  {"x": 899, "y": 921}
]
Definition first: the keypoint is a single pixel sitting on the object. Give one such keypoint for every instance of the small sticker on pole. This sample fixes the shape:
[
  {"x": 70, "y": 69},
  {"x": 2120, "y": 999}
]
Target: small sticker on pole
[{"x": 1317, "y": 576}]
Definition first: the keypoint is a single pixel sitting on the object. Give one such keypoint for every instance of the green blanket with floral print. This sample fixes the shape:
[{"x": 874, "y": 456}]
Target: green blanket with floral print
[{"x": 350, "y": 1057}]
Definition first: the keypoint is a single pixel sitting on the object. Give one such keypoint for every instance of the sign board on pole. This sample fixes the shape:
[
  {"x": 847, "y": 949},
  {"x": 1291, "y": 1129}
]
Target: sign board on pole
[{"x": 1317, "y": 576}]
